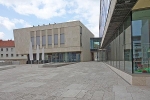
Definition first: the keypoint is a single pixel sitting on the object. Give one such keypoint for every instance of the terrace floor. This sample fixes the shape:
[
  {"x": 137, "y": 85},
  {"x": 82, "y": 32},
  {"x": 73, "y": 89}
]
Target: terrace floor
[{"x": 80, "y": 81}]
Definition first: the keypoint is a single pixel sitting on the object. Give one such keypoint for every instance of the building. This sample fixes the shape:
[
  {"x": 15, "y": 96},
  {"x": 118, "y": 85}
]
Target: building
[
  {"x": 62, "y": 42},
  {"x": 8, "y": 52},
  {"x": 125, "y": 30}
]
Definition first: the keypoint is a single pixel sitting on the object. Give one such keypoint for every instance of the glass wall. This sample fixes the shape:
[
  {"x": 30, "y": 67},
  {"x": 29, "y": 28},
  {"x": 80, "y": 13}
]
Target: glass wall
[
  {"x": 104, "y": 8},
  {"x": 120, "y": 49},
  {"x": 141, "y": 40}
]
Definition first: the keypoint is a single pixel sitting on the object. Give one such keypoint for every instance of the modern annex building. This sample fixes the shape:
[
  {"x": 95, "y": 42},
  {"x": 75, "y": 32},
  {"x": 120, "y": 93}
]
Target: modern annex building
[
  {"x": 63, "y": 42},
  {"x": 125, "y": 30}
]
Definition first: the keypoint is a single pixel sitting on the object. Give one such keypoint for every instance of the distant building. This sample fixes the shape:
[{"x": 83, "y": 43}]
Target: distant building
[
  {"x": 8, "y": 52},
  {"x": 63, "y": 42}
]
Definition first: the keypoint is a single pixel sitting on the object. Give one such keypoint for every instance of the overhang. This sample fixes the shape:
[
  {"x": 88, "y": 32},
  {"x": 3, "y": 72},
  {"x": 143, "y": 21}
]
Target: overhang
[{"x": 121, "y": 9}]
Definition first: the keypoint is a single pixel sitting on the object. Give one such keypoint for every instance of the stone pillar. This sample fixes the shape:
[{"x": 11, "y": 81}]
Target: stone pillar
[
  {"x": 46, "y": 39},
  {"x": 34, "y": 39},
  {"x": 40, "y": 39},
  {"x": 53, "y": 38},
  {"x": 58, "y": 37}
]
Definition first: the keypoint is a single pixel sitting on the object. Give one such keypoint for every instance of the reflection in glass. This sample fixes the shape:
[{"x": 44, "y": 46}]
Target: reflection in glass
[{"x": 141, "y": 41}]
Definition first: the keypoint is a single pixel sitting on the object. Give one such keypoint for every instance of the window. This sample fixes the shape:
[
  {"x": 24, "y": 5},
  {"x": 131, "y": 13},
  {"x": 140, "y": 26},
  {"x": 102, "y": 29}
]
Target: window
[
  {"x": 62, "y": 40},
  {"x": 6, "y": 55},
  {"x": 1, "y": 49},
  {"x": 21, "y": 55},
  {"x": 11, "y": 49},
  {"x": 55, "y": 39},
  {"x": 49, "y": 39},
  {"x": 32, "y": 41},
  {"x": 17, "y": 55},
  {"x": 12, "y": 55},
  {"x": 43, "y": 40},
  {"x": 6, "y": 49},
  {"x": 1, "y": 55},
  {"x": 37, "y": 40},
  {"x": 80, "y": 30},
  {"x": 80, "y": 36}
]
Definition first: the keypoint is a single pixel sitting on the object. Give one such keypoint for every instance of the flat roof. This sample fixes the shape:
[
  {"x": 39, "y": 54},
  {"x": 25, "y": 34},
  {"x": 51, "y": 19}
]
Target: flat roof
[{"x": 122, "y": 9}]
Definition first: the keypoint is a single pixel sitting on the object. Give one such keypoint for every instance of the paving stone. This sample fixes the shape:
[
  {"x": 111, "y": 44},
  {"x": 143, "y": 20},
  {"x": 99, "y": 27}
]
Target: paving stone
[
  {"x": 80, "y": 81},
  {"x": 98, "y": 95},
  {"x": 70, "y": 93}
]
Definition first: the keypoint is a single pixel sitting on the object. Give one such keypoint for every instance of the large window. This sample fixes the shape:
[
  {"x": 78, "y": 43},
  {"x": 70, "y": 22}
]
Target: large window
[
  {"x": 49, "y": 39},
  {"x": 32, "y": 41},
  {"x": 55, "y": 39},
  {"x": 127, "y": 45},
  {"x": 37, "y": 40},
  {"x": 43, "y": 40},
  {"x": 141, "y": 41},
  {"x": 120, "y": 49},
  {"x": 62, "y": 38}
]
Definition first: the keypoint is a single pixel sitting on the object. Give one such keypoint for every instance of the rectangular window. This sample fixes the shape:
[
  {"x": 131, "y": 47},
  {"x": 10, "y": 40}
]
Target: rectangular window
[
  {"x": 55, "y": 39},
  {"x": 11, "y": 55},
  {"x": 1, "y": 49},
  {"x": 32, "y": 41},
  {"x": 17, "y": 55},
  {"x": 80, "y": 36},
  {"x": 49, "y": 39},
  {"x": 6, "y": 49},
  {"x": 11, "y": 49},
  {"x": 1, "y": 55},
  {"x": 37, "y": 40},
  {"x": 80, "y": 30},
  {"x": 6, "y": 55},
  {"x": 43, "y": 40},
  {"x": 62, "y": 38}
]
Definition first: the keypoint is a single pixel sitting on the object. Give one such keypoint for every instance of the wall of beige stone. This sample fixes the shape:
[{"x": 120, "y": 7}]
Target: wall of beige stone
[
  {"x": 86, "y": 35},
  {"x": 71, "y": 32}
]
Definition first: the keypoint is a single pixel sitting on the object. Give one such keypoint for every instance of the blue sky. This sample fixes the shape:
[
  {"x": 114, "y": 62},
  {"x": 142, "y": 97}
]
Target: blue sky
[{"x": 25, "y": 13}]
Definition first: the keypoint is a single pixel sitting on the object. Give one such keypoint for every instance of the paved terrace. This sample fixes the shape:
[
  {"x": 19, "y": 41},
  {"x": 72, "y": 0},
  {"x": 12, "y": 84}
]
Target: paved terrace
[{"x": 81, "y": 81}]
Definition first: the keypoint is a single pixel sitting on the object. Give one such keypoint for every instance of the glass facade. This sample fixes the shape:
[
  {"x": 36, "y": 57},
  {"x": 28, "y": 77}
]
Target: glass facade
[
  {"x": 60, "y": 57},
  {"x": 95, "y": 43},
  {"x": 141, "y": 41},
  {"x": 120, "y": 49},
  {"x": 104, "y": 8},
  {"x": 129, "y": 49}
]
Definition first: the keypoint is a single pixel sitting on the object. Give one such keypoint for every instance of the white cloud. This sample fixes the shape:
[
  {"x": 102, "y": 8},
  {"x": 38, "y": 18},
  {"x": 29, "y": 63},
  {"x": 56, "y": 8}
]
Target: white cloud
[
  {"x": 5, "y": 22},
  {"x": 11, "y": 23},
  {"x": 1, "y": 35},
  {"x": 88, "y": 11},
  {"x": 84, "y": 10},
  {"x": 44, "y": 9}
]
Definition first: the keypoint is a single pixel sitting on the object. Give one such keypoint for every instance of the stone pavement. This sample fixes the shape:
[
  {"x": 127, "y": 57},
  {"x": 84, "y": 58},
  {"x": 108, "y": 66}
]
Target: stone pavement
[{"x": 80, "y": 81}]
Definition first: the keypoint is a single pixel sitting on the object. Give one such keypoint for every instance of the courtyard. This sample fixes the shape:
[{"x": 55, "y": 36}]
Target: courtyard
[{"x": 79, "y": 81}]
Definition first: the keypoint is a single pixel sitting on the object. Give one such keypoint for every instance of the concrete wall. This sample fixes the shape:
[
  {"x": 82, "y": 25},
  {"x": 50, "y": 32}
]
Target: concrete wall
[{"x": 86, "y": 35}]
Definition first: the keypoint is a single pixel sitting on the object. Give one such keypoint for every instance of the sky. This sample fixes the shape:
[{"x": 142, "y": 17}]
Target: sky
[{"x": 16, "y": 14}]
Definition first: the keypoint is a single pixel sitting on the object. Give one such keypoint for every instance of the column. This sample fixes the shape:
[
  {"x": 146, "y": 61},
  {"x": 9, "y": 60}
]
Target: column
[{"x": 58, "y": 37}]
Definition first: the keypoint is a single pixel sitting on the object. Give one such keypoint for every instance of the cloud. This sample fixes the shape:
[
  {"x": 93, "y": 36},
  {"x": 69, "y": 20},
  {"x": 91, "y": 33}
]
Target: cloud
[
  {"x": 5, "y": 22},
  {"x": 11, "y": 23},
  {"x": 85, "y": 10},
  {"x": 88, "y": 11},
  {"x": 44, "y": 9},
  {"x": 1, "y": 35}
]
